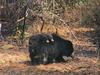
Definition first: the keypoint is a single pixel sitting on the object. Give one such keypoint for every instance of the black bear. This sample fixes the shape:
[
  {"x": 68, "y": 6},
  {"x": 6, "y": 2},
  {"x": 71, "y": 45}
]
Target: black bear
[
  {"x": 65, "y": 47},
  {"x": 41, "y": 48}
]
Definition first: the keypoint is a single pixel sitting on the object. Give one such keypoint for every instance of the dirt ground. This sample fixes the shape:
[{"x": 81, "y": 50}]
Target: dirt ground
[{"x": 16, "y": 61}]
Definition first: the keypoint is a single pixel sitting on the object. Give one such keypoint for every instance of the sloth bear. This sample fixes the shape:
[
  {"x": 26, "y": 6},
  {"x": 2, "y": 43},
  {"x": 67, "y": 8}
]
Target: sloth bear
[{"x": 47, "y": 48}]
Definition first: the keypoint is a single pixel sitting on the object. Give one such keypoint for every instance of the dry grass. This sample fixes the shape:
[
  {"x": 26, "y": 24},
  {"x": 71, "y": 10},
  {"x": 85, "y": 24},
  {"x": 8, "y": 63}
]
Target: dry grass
[{"x": 85, "y": 55}]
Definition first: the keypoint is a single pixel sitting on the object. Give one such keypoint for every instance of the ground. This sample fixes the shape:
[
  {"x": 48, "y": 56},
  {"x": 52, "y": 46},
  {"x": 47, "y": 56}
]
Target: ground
[{"x": 15, "y": 60}]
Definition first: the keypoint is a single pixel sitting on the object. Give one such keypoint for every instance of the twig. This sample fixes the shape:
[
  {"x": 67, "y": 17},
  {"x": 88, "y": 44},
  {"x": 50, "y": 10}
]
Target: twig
[{"x": 65, "y": 23}]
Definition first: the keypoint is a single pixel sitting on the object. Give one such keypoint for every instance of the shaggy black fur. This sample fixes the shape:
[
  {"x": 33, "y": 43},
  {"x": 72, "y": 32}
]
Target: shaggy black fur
[
  {"x": 45, "y": 48},
  {"x": 41, "y": 48},
  {"x": 65, "y": 47}
]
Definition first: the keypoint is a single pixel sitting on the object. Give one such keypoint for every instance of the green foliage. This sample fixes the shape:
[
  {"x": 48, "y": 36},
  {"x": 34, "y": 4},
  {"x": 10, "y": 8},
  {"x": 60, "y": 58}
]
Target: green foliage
[
  {"x": 22, "y": 3},
  {"x": 57, "y": 7}
]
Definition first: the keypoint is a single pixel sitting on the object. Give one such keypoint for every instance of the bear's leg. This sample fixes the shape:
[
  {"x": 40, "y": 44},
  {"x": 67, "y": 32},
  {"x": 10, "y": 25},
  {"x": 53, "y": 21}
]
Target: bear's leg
[
  {"x": 50, "y": 60},
  {"x": 59, "y": 59},
  {"x": 32, "y": 59},
  {"x": 45, "y": 59}
]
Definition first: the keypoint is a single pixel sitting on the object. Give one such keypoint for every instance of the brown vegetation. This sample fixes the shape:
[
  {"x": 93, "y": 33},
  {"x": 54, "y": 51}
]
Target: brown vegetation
[{"x": 14, "y": 58}]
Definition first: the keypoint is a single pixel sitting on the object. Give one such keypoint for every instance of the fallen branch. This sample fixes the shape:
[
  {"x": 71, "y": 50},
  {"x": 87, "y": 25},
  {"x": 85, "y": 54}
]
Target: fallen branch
[{"x": 22, "y": 18}]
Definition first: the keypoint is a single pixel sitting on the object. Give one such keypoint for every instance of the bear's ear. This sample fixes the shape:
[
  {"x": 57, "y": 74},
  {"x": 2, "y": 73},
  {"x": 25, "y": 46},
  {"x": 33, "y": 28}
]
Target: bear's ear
[
  {"x": 47, "y": 41},
  {"x": 52, "y": 40}
]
